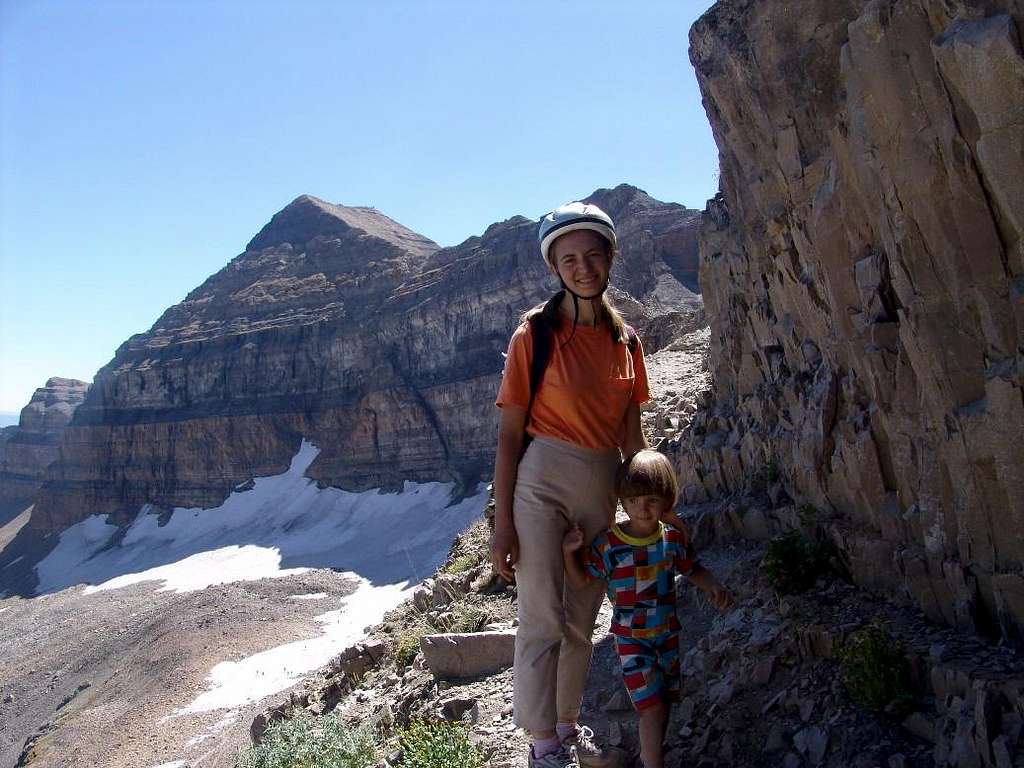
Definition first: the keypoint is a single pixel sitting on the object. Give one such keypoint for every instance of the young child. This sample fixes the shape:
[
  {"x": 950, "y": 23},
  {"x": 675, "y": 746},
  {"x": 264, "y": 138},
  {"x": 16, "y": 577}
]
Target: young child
[{"x": 639, "y": 560}]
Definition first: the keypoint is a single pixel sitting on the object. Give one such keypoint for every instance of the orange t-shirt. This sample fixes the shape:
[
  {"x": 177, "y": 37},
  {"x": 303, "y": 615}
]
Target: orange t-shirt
[{"x": 587, "y": 385}]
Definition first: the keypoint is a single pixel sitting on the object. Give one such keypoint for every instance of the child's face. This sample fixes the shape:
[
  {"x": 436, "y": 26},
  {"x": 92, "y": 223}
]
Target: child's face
[{"x": 644, "y": 513}]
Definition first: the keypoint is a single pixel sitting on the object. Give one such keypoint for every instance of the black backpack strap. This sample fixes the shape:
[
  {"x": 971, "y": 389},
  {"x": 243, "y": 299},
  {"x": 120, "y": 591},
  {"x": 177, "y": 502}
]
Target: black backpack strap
[
  {"x": 541, "y": 352},
  {"x": 542, "y": 326}
]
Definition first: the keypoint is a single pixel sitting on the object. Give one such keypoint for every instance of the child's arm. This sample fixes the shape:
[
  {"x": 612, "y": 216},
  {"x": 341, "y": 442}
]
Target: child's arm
[
  {"x": 717, "y": 594},
  {"x": 571, "y": 545}
]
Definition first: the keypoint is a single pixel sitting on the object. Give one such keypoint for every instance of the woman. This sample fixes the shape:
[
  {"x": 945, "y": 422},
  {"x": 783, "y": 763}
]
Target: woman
[{"x": 584, "y": 411}]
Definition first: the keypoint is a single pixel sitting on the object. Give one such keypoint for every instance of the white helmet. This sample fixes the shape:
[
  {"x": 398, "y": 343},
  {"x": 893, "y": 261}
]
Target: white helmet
[{"x": 573, "y": 216}]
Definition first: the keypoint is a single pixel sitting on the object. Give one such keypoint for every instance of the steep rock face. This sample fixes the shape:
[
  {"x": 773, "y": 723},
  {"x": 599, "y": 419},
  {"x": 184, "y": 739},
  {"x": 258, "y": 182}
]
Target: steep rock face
[
  {"x": 863, "y": 275},
  {"x": 343, "y": 327},
  {"x": 26, "y": 450}
]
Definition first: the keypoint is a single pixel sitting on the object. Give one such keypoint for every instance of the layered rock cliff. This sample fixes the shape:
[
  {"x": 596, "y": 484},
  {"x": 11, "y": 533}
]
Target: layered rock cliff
[
  {"x": 340, "y": 326},
  {"x": 863, "y": 276},
  {"x": 26, "y": 450}
]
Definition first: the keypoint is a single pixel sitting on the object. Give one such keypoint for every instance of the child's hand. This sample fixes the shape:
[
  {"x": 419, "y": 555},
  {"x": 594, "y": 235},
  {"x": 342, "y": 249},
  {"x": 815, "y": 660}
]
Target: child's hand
[
  {"x": 720, "y": 597},
  {"x": 573, "y": 539}
]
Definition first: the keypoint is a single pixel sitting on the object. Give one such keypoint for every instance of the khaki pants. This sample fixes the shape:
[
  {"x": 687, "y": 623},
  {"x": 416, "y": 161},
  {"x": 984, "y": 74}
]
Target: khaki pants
[{"x": 558, "y": 484}]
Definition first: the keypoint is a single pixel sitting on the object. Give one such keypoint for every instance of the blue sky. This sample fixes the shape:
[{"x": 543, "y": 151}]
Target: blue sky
[{"x": 142, "y": 144}]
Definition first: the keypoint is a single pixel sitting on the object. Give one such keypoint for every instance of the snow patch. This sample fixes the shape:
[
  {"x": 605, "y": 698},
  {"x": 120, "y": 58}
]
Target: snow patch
[
  {"x": 280, "y": 526},
  {"x": 233, "y": 684},
  {"x": 207, "y": 569},
  {"x": 173, "y": 764},
  {"x": 283, "y": 525},
  {"x": 216, "y": 728}
]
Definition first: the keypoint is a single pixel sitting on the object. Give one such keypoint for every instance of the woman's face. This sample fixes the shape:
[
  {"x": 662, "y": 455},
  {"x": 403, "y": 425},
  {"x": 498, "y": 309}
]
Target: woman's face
[{"x": 583, "y": 260}]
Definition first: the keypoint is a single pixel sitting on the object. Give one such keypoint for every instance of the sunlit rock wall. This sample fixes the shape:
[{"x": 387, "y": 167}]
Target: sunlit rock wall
[
  {"x": 863, "y": 274},
  {"x": 28, "y": 449}
]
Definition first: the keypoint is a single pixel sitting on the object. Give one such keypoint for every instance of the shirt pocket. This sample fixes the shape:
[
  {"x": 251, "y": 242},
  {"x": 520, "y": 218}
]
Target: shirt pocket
[
  {"x": 617, "y": 384},
  {"x": 621, "y": 372},
  {"x": 619, "y": 381}
]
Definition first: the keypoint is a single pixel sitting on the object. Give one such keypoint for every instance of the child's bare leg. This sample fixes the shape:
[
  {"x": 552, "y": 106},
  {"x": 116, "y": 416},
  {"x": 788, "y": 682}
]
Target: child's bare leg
[{"x": 653, "y": 720}]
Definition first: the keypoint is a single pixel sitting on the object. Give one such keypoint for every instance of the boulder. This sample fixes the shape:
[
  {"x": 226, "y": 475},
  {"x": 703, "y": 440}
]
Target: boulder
[{"x": 454, "y": 656}]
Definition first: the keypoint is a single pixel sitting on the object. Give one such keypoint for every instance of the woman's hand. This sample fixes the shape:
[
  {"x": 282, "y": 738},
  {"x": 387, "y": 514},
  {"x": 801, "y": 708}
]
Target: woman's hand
[
  {"x": 504, "y": 551},
  {"x": 505, "y": 542},
  {"x": 669, "y": 516},
  {"x": 635, "y": 440}
]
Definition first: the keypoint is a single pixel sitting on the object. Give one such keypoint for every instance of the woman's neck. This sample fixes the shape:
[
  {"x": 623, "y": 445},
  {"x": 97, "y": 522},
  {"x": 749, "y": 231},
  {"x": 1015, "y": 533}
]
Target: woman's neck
[{"x": 588, "y": 310}]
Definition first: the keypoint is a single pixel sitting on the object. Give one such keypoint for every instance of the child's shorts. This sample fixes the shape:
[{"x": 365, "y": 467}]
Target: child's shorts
[{"x": 650, "y": 668}]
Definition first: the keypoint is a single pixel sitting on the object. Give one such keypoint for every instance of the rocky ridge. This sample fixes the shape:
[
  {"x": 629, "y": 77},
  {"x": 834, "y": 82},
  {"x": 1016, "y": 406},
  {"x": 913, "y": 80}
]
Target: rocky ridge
[
  {"x": 763, "y": 683},
  {"x": 340, "y": 326},
  {"x": 27, "y": 449},
  {"x": 863, "y": 277}
]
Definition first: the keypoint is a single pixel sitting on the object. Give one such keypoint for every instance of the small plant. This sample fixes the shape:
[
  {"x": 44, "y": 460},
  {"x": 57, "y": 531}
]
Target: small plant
[
  {"x": 438, "y": 744},
  {"x": 765, "y": 477},
  {"x": 408, "y": 644},
  {"x": 462, "y": 618},
  {"x": 808, "y": 516},
  {"x": 304, "y": 741},
  {"x": 462, "y": 563},
  {"x": 875, "y": 671},
  {"x": 794, "y": 561},
  {"x": 470, "y": 549}
]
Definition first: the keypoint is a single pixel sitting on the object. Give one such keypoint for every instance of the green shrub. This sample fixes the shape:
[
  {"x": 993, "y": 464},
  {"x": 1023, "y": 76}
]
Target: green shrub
[
  {"x": 462, "y": 563},
  {"x": 461, "y": 616},
  {"x": 438, "y": 744},
  {"x": 408, "y": 644},
  {"x": 471, "y": 548},
  {"x": 794, "y": 561},
  {"x": 875, "y": 671},
  {"x": 304, "y": 741}
]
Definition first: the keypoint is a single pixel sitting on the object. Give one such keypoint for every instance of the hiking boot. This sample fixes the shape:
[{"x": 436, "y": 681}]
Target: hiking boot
[
  {"x": 560, "y": 758},
  {"x": 588, "y": 754}
]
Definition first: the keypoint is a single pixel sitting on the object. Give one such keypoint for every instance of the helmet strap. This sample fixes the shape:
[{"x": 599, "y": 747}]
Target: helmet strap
[
  {"x": 576, "y": 297},
  {"x": 576, "y": 305}
]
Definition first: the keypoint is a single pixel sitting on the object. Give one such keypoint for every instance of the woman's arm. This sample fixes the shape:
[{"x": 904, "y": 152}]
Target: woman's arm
[
  {"x": 505, "y": 543},
  {"x": 676, "y": 522},
  {"x": 634, "y": 440}
]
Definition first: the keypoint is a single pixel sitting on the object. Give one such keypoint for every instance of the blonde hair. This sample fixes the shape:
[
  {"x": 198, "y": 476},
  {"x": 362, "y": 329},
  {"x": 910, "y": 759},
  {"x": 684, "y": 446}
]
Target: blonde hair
[{"x": 647, "y": 473}]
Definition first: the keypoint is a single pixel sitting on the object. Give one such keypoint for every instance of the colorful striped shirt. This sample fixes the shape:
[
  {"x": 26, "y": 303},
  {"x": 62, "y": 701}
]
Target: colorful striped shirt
[{"x": 640, "y": 575}]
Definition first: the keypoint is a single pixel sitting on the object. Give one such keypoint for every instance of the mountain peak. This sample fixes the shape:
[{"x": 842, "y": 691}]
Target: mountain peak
[
  {"x": 307, "y": 217},
  {"x": 621, "y": 196}
]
